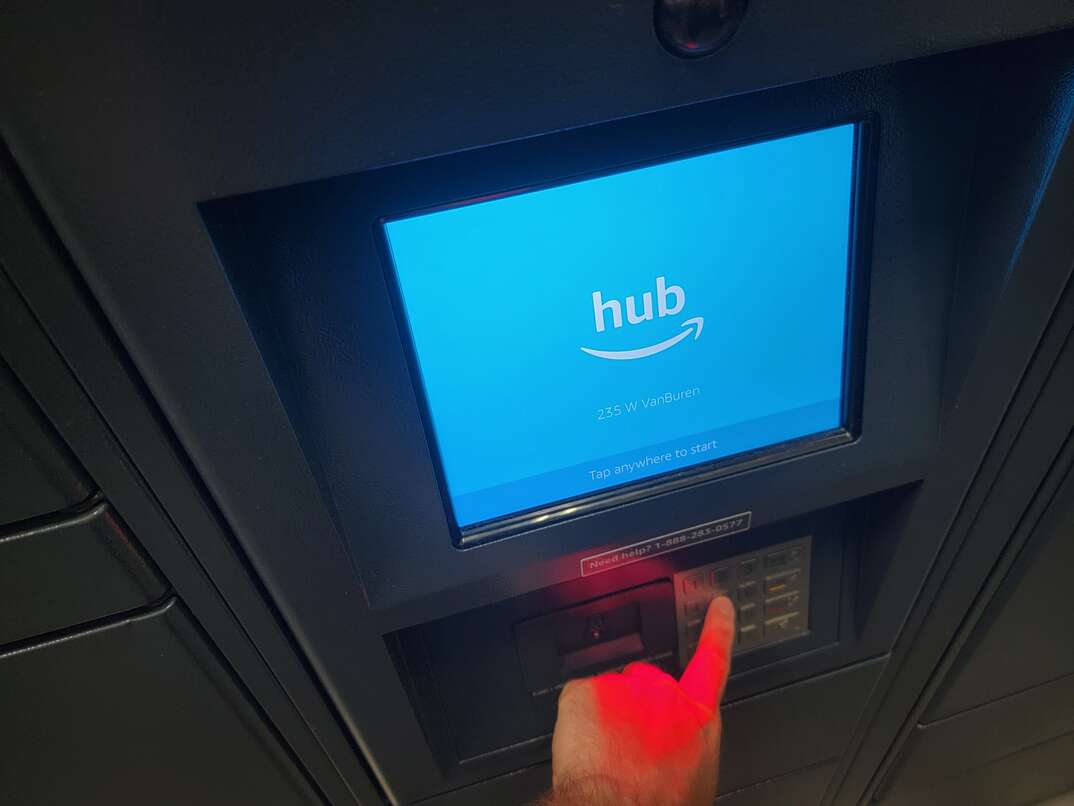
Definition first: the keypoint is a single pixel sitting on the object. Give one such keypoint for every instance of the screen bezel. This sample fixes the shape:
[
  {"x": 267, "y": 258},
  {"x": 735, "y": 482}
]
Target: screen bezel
[{"x": 629, "y": 492}]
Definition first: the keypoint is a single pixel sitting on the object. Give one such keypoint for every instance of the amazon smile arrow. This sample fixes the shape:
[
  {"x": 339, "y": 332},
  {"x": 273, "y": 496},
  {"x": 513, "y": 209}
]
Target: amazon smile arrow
[{"x": 697, "y": 322}]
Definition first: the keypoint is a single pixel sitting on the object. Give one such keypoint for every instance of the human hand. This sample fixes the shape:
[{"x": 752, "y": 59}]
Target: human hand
[{"x": 641, "y": 737}]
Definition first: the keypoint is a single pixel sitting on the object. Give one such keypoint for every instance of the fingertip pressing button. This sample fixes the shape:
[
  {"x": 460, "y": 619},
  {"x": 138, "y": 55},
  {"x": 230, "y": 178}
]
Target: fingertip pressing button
[{"x": 695, "y": 610}]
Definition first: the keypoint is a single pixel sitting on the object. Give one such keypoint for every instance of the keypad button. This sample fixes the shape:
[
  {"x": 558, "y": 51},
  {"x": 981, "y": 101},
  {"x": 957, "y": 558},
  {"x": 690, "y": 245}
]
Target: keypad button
[
  {"x": 782, "y": 627},
  {"x": 782, "y": 605},
  {"x": 748, "y": 635},
  {"x": 784, "y": 558},
  {"x": 693, "y": 584},
  {"x": 782, "y": 583},
  {"x": 747, "y": 591},
  {"x": 748, "y": 568},
  {"x": 693, "y": 629},
  {"x": 748, "y": 613},
  {"x": 695, "y": 610},
  {"x": 720, "y": 577}
]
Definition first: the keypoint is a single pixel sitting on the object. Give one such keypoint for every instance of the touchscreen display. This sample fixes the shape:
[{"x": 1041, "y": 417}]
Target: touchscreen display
[{"x": 588, "y": 335}]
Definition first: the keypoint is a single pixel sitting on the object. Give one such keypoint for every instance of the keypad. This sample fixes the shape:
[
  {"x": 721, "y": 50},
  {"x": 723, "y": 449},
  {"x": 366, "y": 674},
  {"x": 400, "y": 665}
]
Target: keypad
[{"x": 770, "y": 590}]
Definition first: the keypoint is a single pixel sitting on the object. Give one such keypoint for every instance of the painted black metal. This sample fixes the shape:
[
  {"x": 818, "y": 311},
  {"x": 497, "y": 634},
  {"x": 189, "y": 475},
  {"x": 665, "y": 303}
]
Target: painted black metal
[
  {"x": 1008, "y": 618},
  {"x": 1027, "y": 618},
  {"x": 286, "y": 690},
  {"x": 69, "y": 570},
  {"x": 136, "y": 710},
  {"x": 938, "y": 752},
  {"x": 1032, "y": 775},
  {"x": 38, "y": 475},
  {"x": 982, "y": 487}
]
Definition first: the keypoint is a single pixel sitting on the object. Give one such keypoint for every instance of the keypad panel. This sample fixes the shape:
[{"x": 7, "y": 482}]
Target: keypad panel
[{"x": 770, "y": 589}]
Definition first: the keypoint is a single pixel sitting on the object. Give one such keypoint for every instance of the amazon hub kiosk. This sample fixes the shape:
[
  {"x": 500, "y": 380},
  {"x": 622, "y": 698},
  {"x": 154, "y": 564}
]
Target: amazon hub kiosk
[
  {"x": 563, "y": 391},
  {"x": 488, "y": 351}
]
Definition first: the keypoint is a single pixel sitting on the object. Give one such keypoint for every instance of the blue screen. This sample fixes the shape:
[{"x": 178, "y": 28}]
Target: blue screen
[{"x": 592, "y": 334}]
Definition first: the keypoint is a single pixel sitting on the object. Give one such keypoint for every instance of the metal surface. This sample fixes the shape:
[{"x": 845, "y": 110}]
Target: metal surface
[
  {"x": 69, "y": 570},
  {"x": 150, "y": 716},
  {"x": 1014, "y": 365},
  {"x": 275, "y": 675},
  {"x": 38, "y": 475}
]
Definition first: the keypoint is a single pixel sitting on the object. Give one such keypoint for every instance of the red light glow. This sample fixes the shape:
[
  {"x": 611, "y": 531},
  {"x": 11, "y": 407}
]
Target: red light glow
[{"x": 646, "y": 731}]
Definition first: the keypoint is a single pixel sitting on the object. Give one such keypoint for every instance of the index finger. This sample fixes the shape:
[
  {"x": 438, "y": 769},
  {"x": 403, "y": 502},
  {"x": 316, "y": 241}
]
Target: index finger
[{"x": 706, "y": 673}]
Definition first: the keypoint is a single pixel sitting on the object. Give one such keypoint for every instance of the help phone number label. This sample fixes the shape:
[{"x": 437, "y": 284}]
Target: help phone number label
[{"x": 655, "y": 546}]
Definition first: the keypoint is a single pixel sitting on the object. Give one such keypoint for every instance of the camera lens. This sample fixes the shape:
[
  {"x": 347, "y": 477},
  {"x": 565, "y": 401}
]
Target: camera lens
[{"x": 694, "y": 28}]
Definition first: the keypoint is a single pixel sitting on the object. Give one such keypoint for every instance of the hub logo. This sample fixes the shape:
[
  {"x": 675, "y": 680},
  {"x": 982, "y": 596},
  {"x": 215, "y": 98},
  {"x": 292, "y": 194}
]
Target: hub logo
[{"x": 670, "y": 300}]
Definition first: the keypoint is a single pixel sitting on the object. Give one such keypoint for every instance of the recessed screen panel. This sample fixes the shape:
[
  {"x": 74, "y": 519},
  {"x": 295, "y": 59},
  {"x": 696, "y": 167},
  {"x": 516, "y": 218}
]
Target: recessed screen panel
[{"x": 575, "y": 338}]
